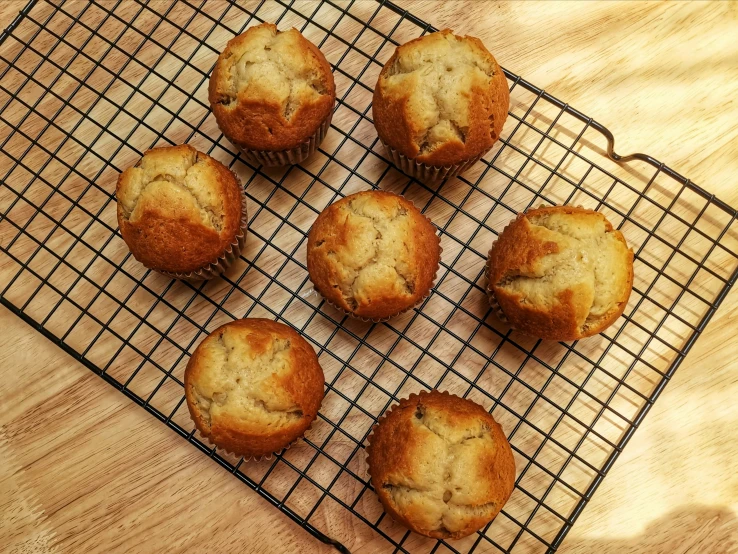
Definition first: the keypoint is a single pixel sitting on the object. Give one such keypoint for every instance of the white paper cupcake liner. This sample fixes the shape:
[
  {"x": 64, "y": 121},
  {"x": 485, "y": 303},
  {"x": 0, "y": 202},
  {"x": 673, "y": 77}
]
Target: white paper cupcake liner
[
  {"x": 214, "y": 269},
  {"x": 292, "y": 156},
  {"x": 428, "y": 173},
  {"x": 383, "y": 319}
]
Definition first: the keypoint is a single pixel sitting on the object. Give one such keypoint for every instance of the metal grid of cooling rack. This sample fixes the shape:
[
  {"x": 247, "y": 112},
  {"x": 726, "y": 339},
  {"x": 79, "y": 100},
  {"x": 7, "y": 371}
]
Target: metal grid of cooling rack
[{"x": 86, "y": 87}]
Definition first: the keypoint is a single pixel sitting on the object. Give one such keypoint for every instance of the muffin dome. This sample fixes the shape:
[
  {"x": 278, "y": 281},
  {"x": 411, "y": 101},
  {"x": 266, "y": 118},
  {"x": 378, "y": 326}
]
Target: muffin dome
[
  {"x": 441, "y": 465},
  {"x": 253, "y": 386},
  {"x": 373, "y": 254},
  {"x": 560, "y": 273},
  {"x": 271, "y": 90},
  {"x": 441, "y": 99},
  {"x": 179, "y": 210}
]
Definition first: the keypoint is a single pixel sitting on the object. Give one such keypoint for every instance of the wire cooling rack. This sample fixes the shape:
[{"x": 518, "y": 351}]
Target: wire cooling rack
[{"x": 86, "y": 87}]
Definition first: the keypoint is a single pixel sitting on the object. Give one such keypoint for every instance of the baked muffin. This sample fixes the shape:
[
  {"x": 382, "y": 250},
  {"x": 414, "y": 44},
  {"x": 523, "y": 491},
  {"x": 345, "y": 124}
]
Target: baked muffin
[
  {"x": 182, "y": 213},
  {"x": 439, "y": 105},
  {"x": 441, "y": 465},
  {"x": 272, "y": 94},
  {"x": 560, "y": 273},
  {"x": 373, "y": 254},
  {"x": 253, "y": 386}
]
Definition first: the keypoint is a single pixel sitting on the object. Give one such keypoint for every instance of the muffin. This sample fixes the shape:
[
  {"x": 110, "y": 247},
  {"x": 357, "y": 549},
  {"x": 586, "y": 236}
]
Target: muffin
[
  {"x": 440, "y": 465},
  {"x": 373, "y": 254},
  {"x": 253, "y": 386},
  {"x": 560, "y": 273},
  {"x": 440, "y": 104},
  {"x": 272, "y": 94},
  {"x": 182, "y": 213}
]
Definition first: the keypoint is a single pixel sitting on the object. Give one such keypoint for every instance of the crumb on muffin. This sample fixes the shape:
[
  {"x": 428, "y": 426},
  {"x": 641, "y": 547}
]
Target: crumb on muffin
[
  {"x": 561, "y": 273},
  {"x": 373, "y": 254},
  {"x": 253, "y": 386},
  {"x": 440, "y": 465}
]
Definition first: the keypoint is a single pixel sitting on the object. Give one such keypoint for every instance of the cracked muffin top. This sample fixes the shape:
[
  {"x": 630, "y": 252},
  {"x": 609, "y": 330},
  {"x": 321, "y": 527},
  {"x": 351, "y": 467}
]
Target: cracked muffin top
[
  {"x": 253, "y": 386},
  {"x": 373, "y": 254},
  {"x": 441, "y": 465},
  {"x": 560, "y": 273},
  {"x": 441, "y": 99},
  {"x": 178, "y": 209},
  {"x": 271, "y": 90}
]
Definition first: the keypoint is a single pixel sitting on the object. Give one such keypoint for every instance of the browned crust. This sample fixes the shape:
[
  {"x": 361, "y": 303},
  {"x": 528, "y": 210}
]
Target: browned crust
[
  {"x": 488, "y": 112},
  {"x": 304, "y": 384},
  {"x": 515, "y": 247},
  {"x": 395, "y": 436},
  {"x": 335, "y": 233},
  {"x": 260, "y": 125},
  {"x": 169, "y": 242}
]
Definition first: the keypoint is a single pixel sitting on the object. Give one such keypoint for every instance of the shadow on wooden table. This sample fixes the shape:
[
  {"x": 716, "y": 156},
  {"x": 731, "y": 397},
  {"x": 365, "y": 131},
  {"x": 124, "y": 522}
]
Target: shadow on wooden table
[{"x": 690, "y": 529}]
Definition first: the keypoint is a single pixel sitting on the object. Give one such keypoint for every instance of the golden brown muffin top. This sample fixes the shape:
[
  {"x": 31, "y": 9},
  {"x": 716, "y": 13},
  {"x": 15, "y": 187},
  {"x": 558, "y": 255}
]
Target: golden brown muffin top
[
  {"x": 441, "y": 465},
  {"x": 271, "y": 90},
  {"x": 373, "y": 254},
  {"x": 178, "y": 209},
  {"x": 561, "y": 272},
  {"x": 253, "y": 386},
  {"x": 441, "y": 99}
]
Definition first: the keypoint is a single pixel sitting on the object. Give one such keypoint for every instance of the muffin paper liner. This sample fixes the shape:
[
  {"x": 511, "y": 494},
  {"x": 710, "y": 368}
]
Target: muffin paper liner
[
  {"x": 292, "y": 156},
  {"x": 383, "y": 319},
  {"x": 232, "y": 252},
  {"x": 428, "y": 173}
]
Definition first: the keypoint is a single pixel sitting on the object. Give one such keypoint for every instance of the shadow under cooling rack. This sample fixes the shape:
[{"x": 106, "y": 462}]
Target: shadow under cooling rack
[{"x": 87, "y": 87}]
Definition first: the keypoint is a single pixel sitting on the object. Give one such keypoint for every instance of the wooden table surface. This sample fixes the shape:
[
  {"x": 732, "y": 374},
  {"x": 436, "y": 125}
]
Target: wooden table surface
[{"x": 82, "y": 469}]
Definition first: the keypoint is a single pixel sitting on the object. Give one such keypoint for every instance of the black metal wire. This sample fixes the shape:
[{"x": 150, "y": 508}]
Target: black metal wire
[{"x": 51, "y": 255}]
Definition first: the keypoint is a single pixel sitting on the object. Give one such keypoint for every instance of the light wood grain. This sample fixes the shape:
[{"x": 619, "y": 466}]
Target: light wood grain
[{"x": 85, "y": 470}]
